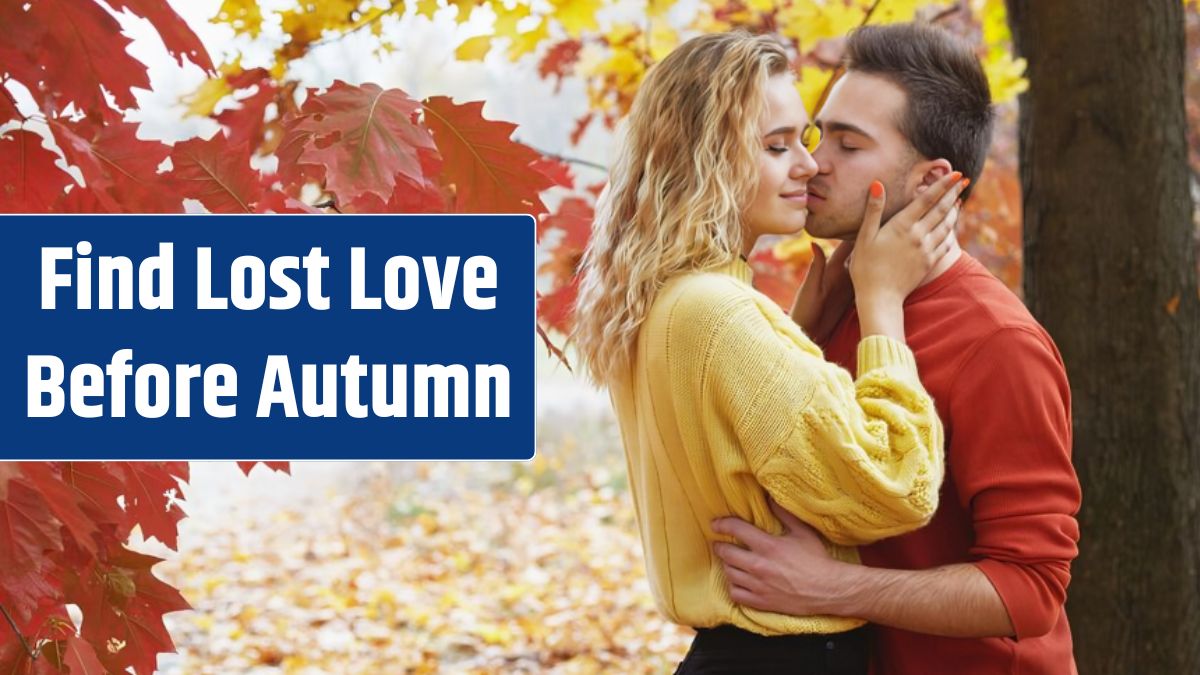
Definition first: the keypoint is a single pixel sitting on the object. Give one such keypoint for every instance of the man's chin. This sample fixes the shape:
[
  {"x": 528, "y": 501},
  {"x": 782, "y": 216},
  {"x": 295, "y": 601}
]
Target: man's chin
[{"x": 826, "y": 230}]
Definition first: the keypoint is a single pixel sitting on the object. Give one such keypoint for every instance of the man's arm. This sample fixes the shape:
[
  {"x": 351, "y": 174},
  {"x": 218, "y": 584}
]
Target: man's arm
[
  {"x": 793, "y": 574},
  {"x": 1011, "y": 465}
]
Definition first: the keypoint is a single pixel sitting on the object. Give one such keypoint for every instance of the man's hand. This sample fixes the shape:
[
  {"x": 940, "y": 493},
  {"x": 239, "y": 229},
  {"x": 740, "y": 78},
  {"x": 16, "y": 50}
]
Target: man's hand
[
  {"x": 789, "y": 574},
  {"x": 793, "y": 574},
  {"x": 825, "y": 294}
]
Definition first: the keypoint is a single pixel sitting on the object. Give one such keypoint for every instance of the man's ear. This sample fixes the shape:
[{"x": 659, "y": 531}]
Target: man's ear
[{"x": 930, "y": 171}]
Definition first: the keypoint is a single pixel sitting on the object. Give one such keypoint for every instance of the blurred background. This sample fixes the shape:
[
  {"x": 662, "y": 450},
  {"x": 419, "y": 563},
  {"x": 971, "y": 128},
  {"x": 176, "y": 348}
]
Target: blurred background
[{"x": 509, "y": 567}]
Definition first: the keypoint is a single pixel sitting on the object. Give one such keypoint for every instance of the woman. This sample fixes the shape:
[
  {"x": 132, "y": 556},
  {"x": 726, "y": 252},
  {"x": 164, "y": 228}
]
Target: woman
[{"x": 722, "y": 400}]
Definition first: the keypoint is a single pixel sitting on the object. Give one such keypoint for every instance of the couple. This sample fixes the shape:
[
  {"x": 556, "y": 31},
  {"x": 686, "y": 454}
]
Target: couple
[{"x": 782, "y": 504}]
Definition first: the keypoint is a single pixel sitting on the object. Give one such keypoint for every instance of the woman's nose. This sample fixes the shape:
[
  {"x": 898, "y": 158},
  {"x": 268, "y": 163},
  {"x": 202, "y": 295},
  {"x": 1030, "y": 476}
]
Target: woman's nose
[{"x": 805, "y": 166}]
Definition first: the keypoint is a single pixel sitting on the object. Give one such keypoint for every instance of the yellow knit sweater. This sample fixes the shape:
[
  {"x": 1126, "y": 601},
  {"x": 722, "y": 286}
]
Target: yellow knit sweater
[{"x": 727, "y": 402}]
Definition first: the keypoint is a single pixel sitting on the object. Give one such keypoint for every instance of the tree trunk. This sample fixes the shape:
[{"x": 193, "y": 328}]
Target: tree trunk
[{"x": 1110, "y": 270}]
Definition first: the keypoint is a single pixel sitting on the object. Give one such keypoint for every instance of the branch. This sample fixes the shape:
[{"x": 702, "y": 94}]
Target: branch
[
  {"x": 952, "y": 9},
  {"x": 372, "y": 20},
  {"x": 564, "y": 158},
  {"x": 13, "y": 624}
]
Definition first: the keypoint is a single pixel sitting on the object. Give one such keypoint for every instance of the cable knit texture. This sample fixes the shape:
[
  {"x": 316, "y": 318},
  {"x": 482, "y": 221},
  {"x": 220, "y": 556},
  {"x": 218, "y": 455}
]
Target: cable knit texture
[{"x": 726, "y": 402}]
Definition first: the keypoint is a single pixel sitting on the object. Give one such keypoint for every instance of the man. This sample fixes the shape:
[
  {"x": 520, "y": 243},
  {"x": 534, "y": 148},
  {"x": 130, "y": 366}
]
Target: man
[{"x": 981, "y": 589}]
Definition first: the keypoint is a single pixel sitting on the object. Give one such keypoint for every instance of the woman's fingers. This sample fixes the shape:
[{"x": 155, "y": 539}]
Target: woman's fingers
[
  {"x": 925, "y": 200},
  {"x": 817, "y": 266},
  {"x": 936, "y": 215},
  {"x": 841, "y": 254},
  {"x": 873, "y": 216},
  {"x": 944, "y": 229}
]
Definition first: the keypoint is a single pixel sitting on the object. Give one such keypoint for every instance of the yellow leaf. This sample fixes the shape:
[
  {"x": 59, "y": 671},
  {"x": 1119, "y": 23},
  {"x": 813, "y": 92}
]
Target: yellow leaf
[
  {"x": 576, "y": 16},
  {"x": 427, "y": 8},
  {"x": 527, "y": 42},
  {"x": 465, "y": 7},
  {"x": 795, "y": 249},
  {"x": 761, "y": 5},
  {"x": 1173, "y": 305},
  {"x": 474, "y": 49},
  {"x": 808, "y": 22},
  {"x": 810, "y": 85},
  {"x": 507, "y": 19},
  {"x": 659, "y": 8},
  {"x": 206, "y": 97},
  {"x": 494, "y": 634},
  {"x": 663, "y": 40},
  {"x": 243, "y": 15},
  {"x": 1005, "y": 76}
]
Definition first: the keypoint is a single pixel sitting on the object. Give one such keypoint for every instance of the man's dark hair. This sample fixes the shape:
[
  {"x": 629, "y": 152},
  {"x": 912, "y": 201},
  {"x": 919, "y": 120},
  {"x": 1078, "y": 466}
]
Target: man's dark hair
[{"x": 949, "y": 113}]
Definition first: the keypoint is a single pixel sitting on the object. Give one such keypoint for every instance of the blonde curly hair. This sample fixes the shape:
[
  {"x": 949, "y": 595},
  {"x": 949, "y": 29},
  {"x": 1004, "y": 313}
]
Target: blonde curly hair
[{"x": 686, "y": 171}]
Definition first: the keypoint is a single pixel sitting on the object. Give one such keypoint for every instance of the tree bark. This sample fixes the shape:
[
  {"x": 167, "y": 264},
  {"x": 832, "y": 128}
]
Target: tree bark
[{"x": 1110, "y": 270}]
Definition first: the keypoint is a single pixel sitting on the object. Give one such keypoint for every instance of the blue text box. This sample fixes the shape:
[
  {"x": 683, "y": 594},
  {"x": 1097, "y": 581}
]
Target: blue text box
[{"x": 244, "y": 339}]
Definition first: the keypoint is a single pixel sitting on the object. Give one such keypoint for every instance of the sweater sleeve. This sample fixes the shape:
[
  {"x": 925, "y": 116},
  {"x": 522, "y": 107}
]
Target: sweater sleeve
[
  {"x": 1018, "y": 482},
  {"x": 858, "y": 460}
]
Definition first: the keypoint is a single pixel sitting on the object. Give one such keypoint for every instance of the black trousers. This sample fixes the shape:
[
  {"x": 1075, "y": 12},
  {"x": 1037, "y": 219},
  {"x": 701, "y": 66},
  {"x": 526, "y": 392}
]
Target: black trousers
[{"x": 729, "y": 649}]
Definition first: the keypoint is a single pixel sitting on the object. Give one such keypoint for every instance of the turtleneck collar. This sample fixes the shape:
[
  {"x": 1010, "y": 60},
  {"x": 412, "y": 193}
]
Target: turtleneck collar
[{"x": 738, "y": 269}]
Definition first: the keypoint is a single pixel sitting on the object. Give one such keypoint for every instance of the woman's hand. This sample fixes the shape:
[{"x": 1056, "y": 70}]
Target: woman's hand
[
  {"x": 890, "y": 262},
  {"x": 825, "y": 294}
]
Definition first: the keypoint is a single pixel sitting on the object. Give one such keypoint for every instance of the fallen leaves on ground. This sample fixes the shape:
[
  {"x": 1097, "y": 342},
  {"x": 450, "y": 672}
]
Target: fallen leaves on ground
[{"x": 423, "y": 568}]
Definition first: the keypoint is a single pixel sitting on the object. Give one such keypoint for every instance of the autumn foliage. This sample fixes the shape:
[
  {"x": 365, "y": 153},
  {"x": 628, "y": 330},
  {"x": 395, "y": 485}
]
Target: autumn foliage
[{"x": 67, "y": 82}]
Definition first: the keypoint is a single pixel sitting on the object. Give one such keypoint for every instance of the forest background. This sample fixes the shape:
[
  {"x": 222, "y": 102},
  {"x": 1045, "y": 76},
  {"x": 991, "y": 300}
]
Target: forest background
[{"x": 234, "y": 106}]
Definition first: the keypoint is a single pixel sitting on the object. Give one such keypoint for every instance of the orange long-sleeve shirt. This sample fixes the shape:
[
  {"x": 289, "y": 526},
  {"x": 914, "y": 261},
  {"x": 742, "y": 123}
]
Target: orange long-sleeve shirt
[{"x": 1009, "y": 500}]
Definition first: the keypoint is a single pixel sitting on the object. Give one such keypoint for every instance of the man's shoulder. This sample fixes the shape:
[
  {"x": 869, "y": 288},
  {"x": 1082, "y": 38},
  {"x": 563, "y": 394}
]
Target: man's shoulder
[
  {"x": 976, "y": 321},
  {"x": 980, "y": 305}
]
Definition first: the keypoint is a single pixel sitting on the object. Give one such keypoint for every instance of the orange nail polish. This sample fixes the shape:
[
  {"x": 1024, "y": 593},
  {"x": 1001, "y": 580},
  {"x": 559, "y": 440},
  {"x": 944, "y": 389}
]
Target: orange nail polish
[
  {"x": 966, "y": 182},
  {"x": 876, "y": 189},
  {"x": 956, "y": 175}
]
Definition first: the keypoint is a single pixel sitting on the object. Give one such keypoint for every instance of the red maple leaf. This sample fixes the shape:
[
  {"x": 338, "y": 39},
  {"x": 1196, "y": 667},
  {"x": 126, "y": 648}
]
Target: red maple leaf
[
  {"x": 581, "y": 126},
  {"x": 14, "y": 660},
  {"x": 556, "y": 170},
  {"x": 555, "y": 308},
  {"x": 29, "y": 180},
  {"x": 146, "y": 487},
  {"x": 83, "y": 200},
  {"x": 176, "y": 35},
  {"x": 98, "y": 486},
  {"x": 217, "y": 174},
  {"x": 409, "y": 196},
  {"x": 559, "y": 61},
  {"x": 490, "y": 173},
  {"x": 82, "y": 52},
  {"x": 362, "y": 137},
  {"x": 123, "y": 604},
  {"x": 574, "y": 218},
  {"x": 27, "y": 533},
  {"x": 120, "y": 169},
  {"x": 284, "y": 467},
  {"x": 8, "y": 105},
  {"x": 62, "y": 500},
  {"x": 246, "y": 123}
]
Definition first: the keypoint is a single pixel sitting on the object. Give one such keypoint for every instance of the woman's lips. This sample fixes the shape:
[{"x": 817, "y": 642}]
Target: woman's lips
[{"x": 800, "y": 197}]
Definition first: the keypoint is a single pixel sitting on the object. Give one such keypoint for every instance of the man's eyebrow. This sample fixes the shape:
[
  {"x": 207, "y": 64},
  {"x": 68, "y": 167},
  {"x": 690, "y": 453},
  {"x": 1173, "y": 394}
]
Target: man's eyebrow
[
  {"x": 781, "y": 130},
  {"x": 832, "y": 127}
]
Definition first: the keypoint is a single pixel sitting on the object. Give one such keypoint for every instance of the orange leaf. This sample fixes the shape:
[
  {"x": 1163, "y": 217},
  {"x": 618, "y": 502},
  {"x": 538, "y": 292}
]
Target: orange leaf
[{"x": 490, "y": 172}]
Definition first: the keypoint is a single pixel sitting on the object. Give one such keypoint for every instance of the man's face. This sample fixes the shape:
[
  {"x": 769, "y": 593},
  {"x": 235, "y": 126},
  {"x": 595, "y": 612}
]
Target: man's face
[{"x": 861, "y": 142}]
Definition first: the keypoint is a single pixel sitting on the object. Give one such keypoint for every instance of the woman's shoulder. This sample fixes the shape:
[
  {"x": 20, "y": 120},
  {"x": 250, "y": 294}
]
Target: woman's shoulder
[{"x": 694, "y": 295}]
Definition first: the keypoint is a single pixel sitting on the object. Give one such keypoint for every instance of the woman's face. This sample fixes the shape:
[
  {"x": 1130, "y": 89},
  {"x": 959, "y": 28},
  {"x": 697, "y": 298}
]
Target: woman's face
[{"x": 780, "y": 203}]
